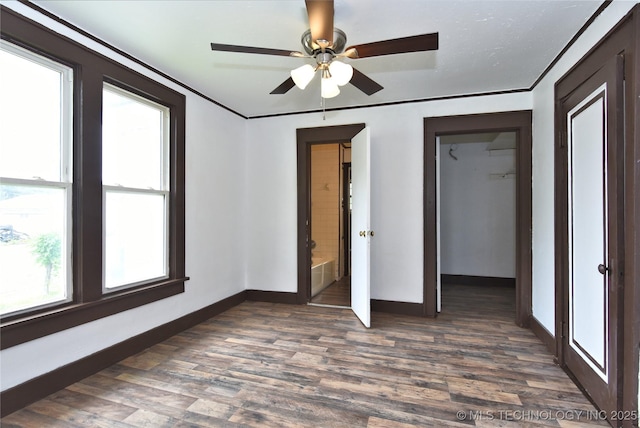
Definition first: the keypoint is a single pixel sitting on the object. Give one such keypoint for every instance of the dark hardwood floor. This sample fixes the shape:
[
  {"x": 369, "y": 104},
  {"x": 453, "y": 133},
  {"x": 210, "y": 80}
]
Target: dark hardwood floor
[
  {"x": 274, "y": 365},
  {"x": 337, "y": 294}
]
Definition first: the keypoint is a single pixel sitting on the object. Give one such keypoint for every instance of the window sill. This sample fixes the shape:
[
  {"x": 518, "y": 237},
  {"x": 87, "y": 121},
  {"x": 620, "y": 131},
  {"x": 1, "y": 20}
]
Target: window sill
[{"x": 33, "y": 326}]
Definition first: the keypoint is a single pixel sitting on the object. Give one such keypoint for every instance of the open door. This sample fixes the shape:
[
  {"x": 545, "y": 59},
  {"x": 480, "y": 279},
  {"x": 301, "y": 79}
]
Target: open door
[{"x": 361, "y": 232}]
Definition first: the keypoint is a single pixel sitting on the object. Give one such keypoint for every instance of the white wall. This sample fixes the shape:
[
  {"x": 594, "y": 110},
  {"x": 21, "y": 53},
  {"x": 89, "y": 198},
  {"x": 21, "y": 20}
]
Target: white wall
[
  {"x": 477, "y": 211},
  {"x": 397, "y": 250},
  {"x": 215, "y": 209},
  {"x": 543, "y": 163}
]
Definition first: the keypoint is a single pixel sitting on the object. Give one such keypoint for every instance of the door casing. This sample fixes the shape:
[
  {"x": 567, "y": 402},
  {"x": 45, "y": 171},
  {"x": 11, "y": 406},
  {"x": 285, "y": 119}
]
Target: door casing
[
  {"x": 346, "y": 218},
  {"x": 518, "y": 122},
  {"x": 305, "y": 137}
]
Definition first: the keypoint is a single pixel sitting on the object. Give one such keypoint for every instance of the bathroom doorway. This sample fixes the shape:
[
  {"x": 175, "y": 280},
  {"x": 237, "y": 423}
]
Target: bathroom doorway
[
  {"x": 330, "y": 224},
  {"x": 361, "y": 235}
]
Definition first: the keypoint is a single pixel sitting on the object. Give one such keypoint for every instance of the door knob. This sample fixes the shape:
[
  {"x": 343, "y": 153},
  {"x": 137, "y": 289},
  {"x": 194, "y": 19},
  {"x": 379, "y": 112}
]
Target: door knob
[
  {"x": 363, "y": 233},
  {"x": 602, "y": 269},
  {"x": 371, "y": 232}
]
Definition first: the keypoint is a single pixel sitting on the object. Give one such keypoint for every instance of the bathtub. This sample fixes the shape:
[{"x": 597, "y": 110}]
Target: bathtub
[{"x": 321, "y": 274}]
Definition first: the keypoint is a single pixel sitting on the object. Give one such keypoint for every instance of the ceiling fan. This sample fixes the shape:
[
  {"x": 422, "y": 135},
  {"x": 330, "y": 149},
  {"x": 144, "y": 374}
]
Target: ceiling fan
[{"x": 325, "y": 44}]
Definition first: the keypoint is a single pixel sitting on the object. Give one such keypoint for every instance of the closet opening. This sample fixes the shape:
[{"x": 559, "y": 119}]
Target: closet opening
[
  {"x": 476, "y": 203},
  {"x": 443, "y": 143}
]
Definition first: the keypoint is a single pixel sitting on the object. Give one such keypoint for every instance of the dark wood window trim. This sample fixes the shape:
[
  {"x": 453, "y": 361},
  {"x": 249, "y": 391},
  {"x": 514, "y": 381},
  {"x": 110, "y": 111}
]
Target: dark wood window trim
[{"x": 91, "y": 71}]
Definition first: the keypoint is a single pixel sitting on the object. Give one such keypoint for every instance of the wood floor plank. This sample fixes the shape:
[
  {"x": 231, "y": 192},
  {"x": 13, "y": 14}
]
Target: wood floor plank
[
  {"x": 272, "y": 365},
  {"x": 149, "y": 419},
  {"x": 212, "y": 408},
  {"x": 88, "y": 403},
  {"x": 79, "y": 417},
  {"x": 338, "y": 293},
  {"x": 145, "y": 360}
]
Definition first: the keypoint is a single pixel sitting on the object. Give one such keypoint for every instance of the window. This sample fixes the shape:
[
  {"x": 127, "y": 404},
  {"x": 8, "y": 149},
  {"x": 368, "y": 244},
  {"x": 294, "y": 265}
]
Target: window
[
  {"x": 35, "y": 180},
  {"x": 91, "y": 185},
  {"x": 134, "y": 178}
]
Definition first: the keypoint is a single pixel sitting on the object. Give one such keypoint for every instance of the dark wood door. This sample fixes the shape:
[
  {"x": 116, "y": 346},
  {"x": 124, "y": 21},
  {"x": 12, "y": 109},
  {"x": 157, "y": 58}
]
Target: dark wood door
[{"x": 591, "y": 231}]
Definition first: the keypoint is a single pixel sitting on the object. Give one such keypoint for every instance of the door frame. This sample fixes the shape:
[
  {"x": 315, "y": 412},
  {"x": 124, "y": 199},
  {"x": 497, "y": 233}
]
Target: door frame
[
  {"x": 305, "y": 137},
  {"x": 346, "y": 218},
  {"x": 519, "y": 122},
  {"x": 623, "y": 39}
]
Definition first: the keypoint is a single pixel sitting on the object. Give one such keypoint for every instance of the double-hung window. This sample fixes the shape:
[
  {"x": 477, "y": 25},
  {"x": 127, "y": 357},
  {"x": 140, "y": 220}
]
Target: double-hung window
[
  {"x": 92, "y": 177},
  {"x": 35, "y": 180},
  {"x": 135, "y": 184}
]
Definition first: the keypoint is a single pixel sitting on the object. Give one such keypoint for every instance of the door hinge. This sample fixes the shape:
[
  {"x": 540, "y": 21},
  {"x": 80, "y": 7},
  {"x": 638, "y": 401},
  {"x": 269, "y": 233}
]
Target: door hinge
[{"x": 565, "y": 330}]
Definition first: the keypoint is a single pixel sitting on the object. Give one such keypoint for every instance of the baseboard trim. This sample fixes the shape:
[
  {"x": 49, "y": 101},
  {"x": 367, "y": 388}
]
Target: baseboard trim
[
  {"x": 272, "y": 296},
  {"x": 37, "y": 388},
  {"x": 478, "y": 280},
  {"x": 543, "y": 334},
  {"x": 401, "y": 308}
]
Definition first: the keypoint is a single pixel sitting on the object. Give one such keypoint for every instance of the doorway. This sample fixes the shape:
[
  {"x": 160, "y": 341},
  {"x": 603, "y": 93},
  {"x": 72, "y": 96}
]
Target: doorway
[
  {"x": 518, "y": 123},
  {"x": 476, "y": 201},
  {"x": 361, "y": 233},
  {"x": 330, "y": 189}
]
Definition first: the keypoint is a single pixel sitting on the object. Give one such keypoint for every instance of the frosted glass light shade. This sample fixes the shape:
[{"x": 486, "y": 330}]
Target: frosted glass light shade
[
  {"x": 328, "y": 88},
  {"x": 340, "y": 72},
  {"x": 303, "y": 75}
]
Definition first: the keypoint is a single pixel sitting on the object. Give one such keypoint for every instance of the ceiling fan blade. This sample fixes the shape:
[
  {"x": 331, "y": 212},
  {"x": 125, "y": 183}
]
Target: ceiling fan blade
[
  {"x": 321, "y": 21},
  {"x": 365, "y": 84},
  {"x": 253, "y": 50},
  {"x": 423, "y": 42},
  {"x": 284, "y": 87}
]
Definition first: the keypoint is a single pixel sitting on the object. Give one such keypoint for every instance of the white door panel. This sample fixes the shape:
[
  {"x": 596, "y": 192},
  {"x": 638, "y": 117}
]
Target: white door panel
[
  {"x": 361, "y": 233},
  {"x": 588, "y": 297},
  {"x": 590, "y": 228},
  {"x": 588, "y": 288}
]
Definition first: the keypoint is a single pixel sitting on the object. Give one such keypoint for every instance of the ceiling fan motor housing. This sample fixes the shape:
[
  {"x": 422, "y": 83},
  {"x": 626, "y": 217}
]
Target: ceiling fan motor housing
[{"x": 312, "y": 48}]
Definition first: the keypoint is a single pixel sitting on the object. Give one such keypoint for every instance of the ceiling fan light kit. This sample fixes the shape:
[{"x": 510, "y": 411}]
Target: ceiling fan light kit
[
  {"x": 323, "y": 42},
  {"x": 303, "y": 75},
  {"x": 340, "y": 72},
  {"x": 328, "y": 88}
]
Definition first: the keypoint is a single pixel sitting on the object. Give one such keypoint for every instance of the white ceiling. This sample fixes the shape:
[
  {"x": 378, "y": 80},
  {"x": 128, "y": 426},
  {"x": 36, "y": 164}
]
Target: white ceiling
[{"x": 485, "y": 46}]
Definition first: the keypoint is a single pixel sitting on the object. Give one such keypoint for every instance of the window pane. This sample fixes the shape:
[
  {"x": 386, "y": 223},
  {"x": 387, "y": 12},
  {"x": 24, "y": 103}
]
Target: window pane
[
  {"x": 33, "y": 265},
  {"x": 135, "y": 238},
  {"x": 31, "y": 125},
  {"x": 132, "y": 141}
]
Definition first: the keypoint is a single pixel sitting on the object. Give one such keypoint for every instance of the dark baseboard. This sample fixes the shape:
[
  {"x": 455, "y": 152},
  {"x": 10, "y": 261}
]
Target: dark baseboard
[
  {"x": 478, "y": 280},
  {"x": 402, "y": 308},
  {"x": 272, "y": 296},
  {"x": 35, "y": 389},
  {"x": 543, "y": 334}
]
